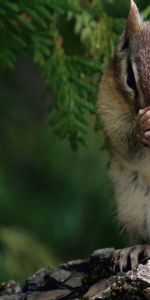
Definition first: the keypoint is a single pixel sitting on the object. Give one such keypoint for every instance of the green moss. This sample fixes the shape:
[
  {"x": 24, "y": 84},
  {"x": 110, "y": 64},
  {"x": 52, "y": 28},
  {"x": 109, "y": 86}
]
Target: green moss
[{"x": 95, "y": 274}]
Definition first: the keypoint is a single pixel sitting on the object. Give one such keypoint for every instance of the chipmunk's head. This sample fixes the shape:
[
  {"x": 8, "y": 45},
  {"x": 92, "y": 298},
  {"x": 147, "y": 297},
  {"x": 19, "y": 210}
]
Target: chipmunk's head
[{"x": 132, "y": 60}]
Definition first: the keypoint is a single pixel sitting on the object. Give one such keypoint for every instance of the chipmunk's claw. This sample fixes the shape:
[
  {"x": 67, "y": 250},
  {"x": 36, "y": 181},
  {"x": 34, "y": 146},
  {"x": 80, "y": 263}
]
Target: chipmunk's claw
[{"x": 128, "y": 258}]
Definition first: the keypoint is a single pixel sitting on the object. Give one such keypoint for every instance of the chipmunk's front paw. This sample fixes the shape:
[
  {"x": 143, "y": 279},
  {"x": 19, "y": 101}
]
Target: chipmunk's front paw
[
  {"x": 143, "y": 126},
  {"x": 129, "y": 258}
]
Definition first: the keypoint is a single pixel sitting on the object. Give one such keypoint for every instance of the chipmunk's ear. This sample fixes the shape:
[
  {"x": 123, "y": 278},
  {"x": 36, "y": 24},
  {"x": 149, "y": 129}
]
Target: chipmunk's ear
[
  {"x": 134, "y": 21},
  {"x": 133, "y": 25}
]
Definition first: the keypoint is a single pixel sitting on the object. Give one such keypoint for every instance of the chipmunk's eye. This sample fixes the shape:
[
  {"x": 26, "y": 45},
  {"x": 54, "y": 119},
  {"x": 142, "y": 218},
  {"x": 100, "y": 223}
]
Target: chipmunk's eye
[
  {"x": 125, "y": 45},
  {"x": 131, "y": 78}
]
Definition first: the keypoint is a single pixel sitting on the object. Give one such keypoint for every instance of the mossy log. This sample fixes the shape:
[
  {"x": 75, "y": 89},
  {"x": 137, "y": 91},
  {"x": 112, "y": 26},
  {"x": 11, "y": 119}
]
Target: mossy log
[{"x": 91, "y": 279}]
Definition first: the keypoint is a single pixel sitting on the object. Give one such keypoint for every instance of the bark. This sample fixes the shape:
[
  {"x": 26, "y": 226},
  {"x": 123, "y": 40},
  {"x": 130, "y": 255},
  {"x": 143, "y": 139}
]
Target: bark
[{"x": 91, "y": 279}]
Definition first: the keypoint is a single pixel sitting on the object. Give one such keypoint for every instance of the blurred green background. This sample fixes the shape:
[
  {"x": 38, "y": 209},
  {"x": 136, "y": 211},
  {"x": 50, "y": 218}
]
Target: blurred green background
[{"x": 55, "y": 203}]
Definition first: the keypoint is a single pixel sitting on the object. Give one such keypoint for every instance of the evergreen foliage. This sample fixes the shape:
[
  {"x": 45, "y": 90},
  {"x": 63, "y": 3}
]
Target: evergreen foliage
[{"x": 69, "y": 41}]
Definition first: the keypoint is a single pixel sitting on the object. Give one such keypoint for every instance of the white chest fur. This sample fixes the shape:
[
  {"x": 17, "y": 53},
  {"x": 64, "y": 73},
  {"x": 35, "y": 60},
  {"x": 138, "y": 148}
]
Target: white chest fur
[{"x": 132, "y": 193}]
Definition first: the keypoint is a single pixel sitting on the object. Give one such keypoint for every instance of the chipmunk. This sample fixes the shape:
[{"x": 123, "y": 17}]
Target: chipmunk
[{"x": 124, "y": 110}]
